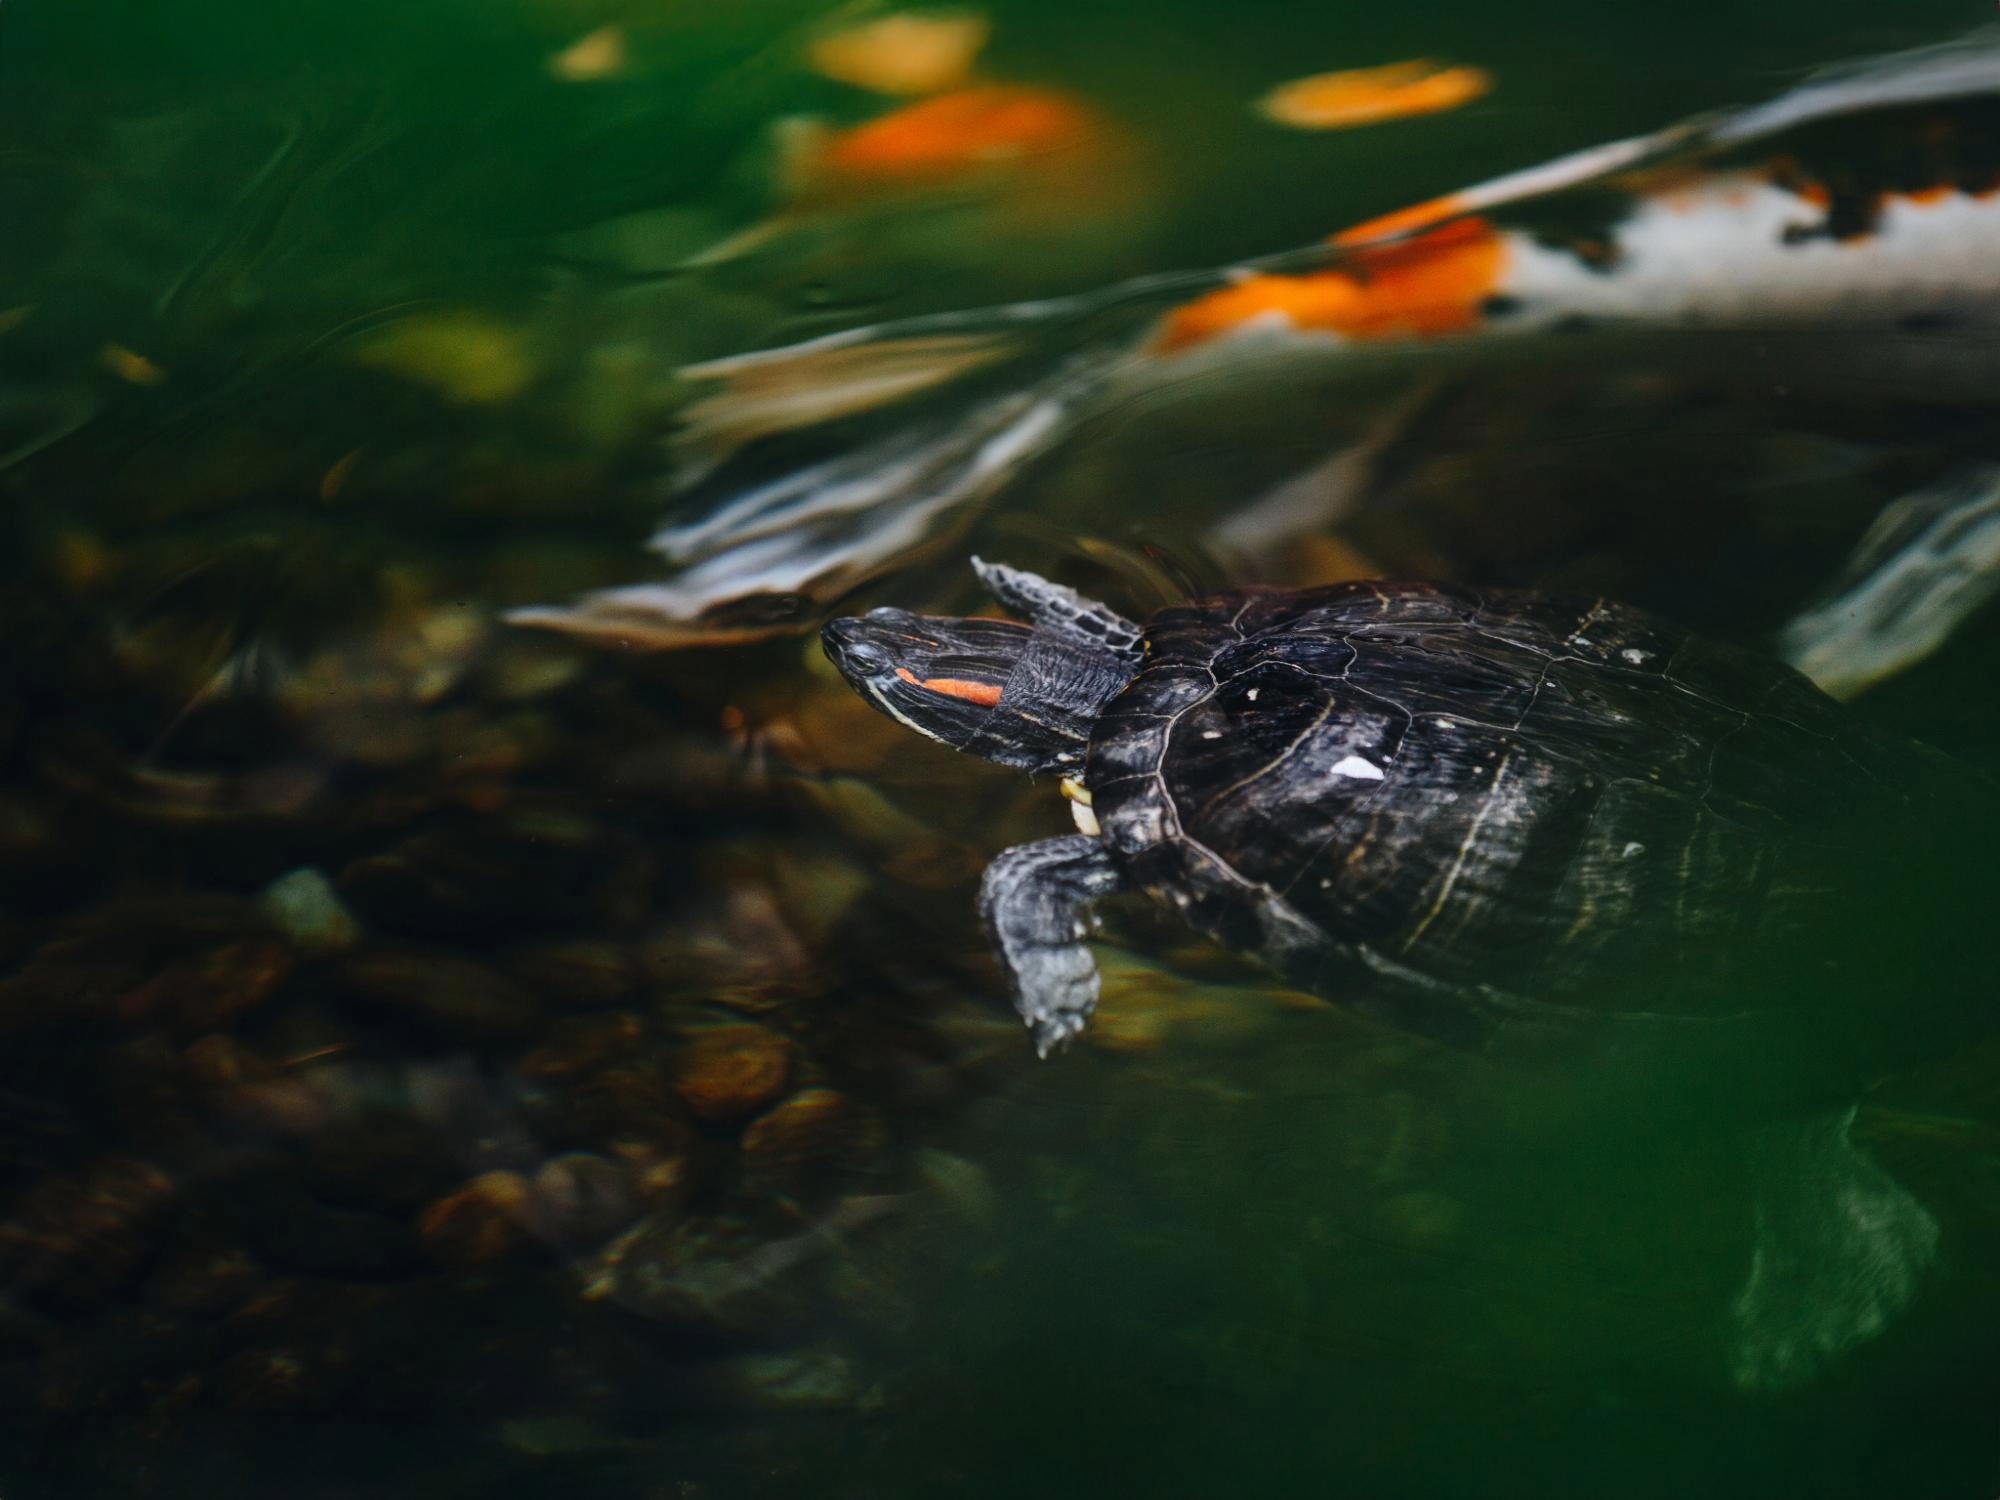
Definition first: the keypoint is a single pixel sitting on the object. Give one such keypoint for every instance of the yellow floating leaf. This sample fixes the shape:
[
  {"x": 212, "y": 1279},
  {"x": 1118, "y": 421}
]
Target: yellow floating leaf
[
  {"x": 467, "y": 357},
  {"x": 1367, "y": 96},
  {"x": 601, "y": 54},
  {"x": 130, "y": 366},
  {"x": 910, "y": 52}
]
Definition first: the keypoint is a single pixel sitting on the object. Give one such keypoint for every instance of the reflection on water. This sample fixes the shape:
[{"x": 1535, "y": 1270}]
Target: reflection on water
[{"x": 446, "y": 1058}]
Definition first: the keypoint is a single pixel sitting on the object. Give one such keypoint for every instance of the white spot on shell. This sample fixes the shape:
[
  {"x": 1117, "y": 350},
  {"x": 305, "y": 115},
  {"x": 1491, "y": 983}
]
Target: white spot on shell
[
  {"x": 1634, "y": 655},
  {"x": 1633, "y": 851},
  {"x": 1252, "y": 694},
  {"x": 1211, "y": 734},
  {"x": 1354, "y": 765},
  {"x": 1444, "y": 724}
]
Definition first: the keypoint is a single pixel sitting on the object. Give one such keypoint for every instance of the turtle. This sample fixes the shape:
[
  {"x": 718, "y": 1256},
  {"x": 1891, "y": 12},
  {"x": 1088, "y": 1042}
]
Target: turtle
[{"x": 1503, "y": 820}]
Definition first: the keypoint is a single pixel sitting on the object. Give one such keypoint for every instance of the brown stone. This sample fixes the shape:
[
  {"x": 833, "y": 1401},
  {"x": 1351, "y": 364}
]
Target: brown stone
[
  {"x": 246, "y": 1087},
  {"x": 486, "y": 1220},
  {"x": 204, "y": 1283},
  {"x": 663, "y": 1179},
  {"x": 727, "y": 1072},
  {"x": 817, "y": 1139},
  {"x": 629, "y": 1102},
  {"x": 80, "y": 1238},
  {"x": 264, "y": 1380},
  {"x": 715, "y": 1273},
  {"x": 214, "y": 990},
  {"x": 578, "y": 1045},
  {"x": 578, "y": 975},
  {"x": 445, "y": 990},
  {"x": 580, "y": 1199}
]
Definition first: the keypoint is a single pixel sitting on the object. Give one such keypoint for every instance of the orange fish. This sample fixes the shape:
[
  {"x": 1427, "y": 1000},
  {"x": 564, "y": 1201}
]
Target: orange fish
[
  {"x": 909, "y": 52},
  {"x": 992, "y": 135},
  {"x": 1431, "y": 284},
  {"x": 981, "y": 178},
  {"x": 1841, "y": 239},
  {"x": 1367, "y": 96}
]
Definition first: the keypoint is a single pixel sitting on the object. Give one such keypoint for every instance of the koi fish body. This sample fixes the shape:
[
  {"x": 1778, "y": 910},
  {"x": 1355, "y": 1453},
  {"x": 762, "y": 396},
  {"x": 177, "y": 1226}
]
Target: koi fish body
[{"x": 1844, "y": 236}]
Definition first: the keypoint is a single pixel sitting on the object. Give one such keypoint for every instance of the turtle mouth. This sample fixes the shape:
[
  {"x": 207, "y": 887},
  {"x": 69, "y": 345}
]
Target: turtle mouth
[
  {"x": 880, "y": 644},
  {"x": 967, "y": 659},
  {"x": 942, "y": 676},
  {"x": 881, "y": 654}
]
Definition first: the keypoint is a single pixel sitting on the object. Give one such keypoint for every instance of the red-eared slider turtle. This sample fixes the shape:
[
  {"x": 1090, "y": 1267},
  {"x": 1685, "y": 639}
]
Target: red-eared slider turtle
[{"x": 1492, "y": 817}]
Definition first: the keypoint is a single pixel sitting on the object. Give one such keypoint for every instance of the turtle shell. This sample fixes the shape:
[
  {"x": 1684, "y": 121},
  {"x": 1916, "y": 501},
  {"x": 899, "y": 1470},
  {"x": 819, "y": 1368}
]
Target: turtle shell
[{"x": 1472, "y": 803}]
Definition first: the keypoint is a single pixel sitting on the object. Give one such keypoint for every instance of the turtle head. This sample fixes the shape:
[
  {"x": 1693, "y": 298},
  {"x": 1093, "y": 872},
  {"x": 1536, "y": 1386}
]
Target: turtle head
[{"x": 1021, "y": 695}]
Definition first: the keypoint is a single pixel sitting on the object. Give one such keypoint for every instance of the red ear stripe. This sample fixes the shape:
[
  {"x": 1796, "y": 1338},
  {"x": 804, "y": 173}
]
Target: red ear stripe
[{"x": 986, "y": 693}]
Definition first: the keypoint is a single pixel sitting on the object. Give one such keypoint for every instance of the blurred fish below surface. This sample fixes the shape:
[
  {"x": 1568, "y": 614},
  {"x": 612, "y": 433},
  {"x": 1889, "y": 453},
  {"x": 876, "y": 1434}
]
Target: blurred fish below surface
[
  {"x": 1757, "y": 348},
  {"x": 233, "y": 309}
]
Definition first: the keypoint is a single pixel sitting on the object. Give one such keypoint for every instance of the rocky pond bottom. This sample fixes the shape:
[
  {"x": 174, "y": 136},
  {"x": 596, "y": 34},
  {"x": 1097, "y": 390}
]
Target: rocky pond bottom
[
  {"x": 438, "y": 1059},
  {"x": 465, "y": 1065}
]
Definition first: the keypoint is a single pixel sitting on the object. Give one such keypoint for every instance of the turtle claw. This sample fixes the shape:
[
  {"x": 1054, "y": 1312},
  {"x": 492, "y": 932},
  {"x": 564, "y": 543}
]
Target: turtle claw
[
  {"x": 1035, "y": 899},
  {"x": 1054, "y": 1033},
  {"x": 1058, "y": 1007}
]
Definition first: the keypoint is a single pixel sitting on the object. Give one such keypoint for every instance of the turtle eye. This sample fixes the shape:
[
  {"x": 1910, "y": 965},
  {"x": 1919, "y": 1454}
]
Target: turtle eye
[{"x": 866, "y": 656}]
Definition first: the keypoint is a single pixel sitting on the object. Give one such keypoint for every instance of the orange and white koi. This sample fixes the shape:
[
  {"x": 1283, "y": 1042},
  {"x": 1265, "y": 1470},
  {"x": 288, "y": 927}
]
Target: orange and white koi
[{"x": 1845, "y": 233}]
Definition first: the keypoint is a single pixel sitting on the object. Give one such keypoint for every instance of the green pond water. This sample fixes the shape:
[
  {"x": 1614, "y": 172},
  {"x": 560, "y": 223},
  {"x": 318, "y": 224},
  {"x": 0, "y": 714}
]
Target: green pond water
[{"x": 444, "y": 1059}]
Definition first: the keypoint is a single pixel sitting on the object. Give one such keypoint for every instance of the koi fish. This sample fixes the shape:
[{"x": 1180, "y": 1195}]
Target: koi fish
[
  {"x": 1843, "y": 237},
  {"x": 952, "y": 188},
  {"x": 905, "y": 52},
  {"x": 1368, "y": 96},
  {"x": 1033, "y": 158}
]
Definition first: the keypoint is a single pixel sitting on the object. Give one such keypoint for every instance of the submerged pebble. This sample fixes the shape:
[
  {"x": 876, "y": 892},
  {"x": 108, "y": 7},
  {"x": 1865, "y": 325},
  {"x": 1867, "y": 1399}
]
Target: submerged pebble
[
  {"x": 461, "y": 997},
  {"x": 580, "y": 1200},
  {"x": 726, "y": 1072},
  {"x": 488, "y": 1219},
  {"x": 577, "y": 974},
  {"x": 811, "y": 1143},
  {"x": 714, "y": 1274},
  {"x": 73, "y": 1242},
  {"x": 305, "y": 907}
]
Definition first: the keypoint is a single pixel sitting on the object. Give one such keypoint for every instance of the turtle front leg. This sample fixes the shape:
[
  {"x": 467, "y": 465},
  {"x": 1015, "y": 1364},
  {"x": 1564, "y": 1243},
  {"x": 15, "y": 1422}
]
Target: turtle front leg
[{"x": 1036, "y": 900}]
